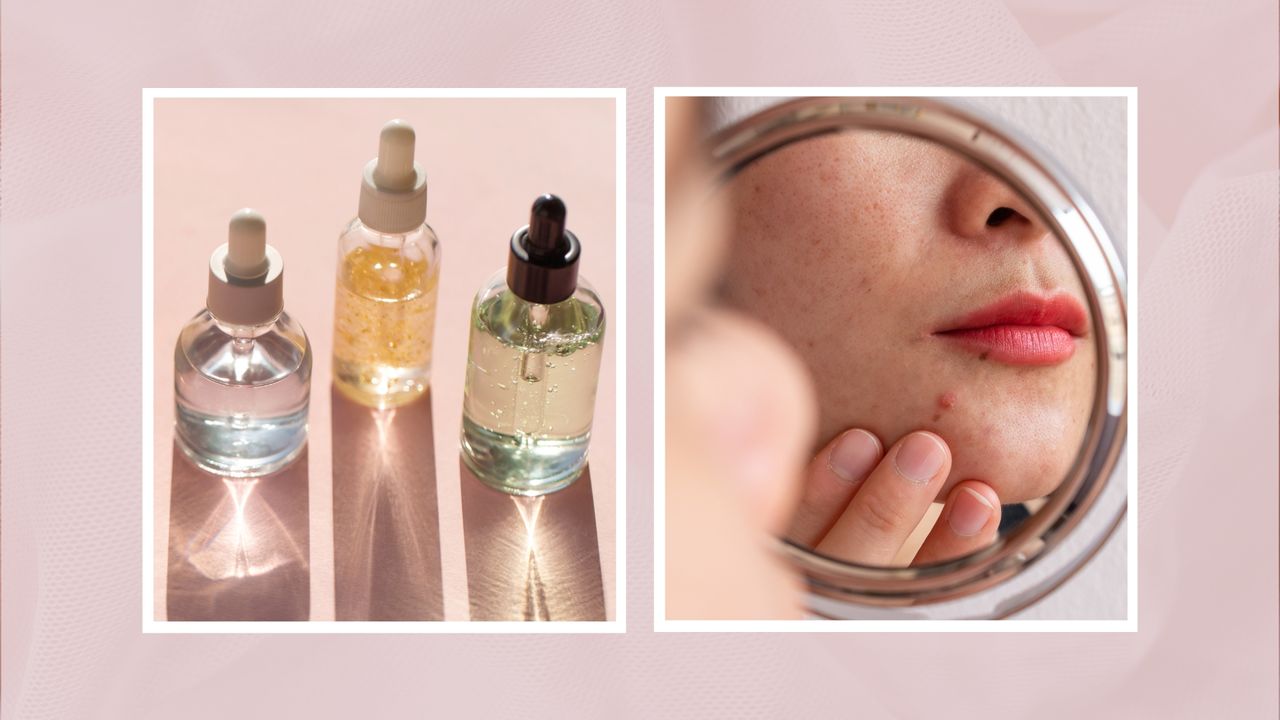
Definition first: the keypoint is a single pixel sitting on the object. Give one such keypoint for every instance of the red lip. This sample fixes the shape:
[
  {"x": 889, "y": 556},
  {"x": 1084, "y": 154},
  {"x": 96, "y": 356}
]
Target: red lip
[{"x": 1021, "y": 329}]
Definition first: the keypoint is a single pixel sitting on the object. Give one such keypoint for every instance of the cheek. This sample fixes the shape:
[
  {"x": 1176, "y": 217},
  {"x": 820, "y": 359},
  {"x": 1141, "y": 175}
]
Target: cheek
[
  {"x": 887, "y": 392},
  {"x": 806, "y": 219},
  {"x": 812, "y": 284}
]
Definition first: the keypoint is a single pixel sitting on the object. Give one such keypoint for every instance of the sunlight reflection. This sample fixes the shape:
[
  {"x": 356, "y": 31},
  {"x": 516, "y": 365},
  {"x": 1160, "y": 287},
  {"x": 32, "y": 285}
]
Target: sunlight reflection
[
  {"x": 386, "y": 529},
  {"x": 239, "y": 548},
  {"x": 535, "y": 594},
  {"x": 529, "y": 508},
  {"x": 242, "y": 537},
  {"x": 382, "y": 420},
  {"x": 531, "y": 558}
]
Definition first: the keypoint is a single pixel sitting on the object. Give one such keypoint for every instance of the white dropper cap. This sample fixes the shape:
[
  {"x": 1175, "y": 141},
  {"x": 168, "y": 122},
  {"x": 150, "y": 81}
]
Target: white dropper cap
[
  {"x": 246, "y": 275},
  {"x": 393, "y": 194},
  {"x": 246, "y": 245}
]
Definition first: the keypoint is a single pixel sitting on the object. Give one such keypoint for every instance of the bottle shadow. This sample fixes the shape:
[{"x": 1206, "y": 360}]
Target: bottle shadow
[
  {"x": 531, "y": 558},
  {"x": 239, "y": 548},
  {"x": 386, "y": 525}
]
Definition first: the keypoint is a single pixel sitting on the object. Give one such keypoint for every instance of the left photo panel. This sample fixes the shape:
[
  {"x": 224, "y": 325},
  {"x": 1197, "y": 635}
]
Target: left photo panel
[{"x": 382, "y": 337}]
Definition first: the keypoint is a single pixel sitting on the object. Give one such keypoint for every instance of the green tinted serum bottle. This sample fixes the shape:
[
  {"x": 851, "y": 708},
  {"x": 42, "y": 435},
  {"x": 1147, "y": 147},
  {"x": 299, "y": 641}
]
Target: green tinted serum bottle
[{"x": 533, "y": 363}]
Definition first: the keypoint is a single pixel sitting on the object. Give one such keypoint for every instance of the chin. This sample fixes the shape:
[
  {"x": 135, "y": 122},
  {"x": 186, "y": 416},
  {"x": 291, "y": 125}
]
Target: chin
[
  {"x": 1022, "y": 455},
  {"x": 1022, "y": 458},
  {"x": 1015, "y": 478}
]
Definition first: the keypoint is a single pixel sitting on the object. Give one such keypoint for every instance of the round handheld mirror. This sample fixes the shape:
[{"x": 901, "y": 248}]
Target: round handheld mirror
[{"x": 960, "y": 310}]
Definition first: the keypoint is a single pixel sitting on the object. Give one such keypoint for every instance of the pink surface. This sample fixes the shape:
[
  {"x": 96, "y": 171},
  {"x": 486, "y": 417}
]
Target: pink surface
[
  {"x": 1207, "y": 79},
  {"x": 299, "y": 163}
]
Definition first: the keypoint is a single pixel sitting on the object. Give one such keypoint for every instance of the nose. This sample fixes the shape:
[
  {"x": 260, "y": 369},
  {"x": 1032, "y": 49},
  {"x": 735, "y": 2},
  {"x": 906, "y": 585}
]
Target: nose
[{"x": 980, "y": 206}]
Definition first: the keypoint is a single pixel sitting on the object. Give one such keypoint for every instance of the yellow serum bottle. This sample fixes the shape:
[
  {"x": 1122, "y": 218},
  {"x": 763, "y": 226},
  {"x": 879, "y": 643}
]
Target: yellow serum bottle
[{"x": 388, "y": 272}]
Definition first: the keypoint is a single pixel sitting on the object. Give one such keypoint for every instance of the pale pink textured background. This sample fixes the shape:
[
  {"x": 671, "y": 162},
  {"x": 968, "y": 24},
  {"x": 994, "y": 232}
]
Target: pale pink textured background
[
  {"x": 70, "y": 196},
  {"x": 299, "y": 162}
]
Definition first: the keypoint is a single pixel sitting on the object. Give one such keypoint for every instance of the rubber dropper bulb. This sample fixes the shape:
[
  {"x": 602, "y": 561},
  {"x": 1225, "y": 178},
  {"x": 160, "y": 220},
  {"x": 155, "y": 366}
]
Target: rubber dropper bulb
[
  {"x": 246, "y": 245},
  {"x": 394, "y": 170},
  {"x": 543, "y": 265},
  {"x": 546, "y": 225}
]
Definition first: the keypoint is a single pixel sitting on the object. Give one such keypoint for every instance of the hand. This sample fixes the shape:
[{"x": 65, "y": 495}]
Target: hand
[
  {"x": 735, "y": 445},
  {"x": 861, "y": 504}
]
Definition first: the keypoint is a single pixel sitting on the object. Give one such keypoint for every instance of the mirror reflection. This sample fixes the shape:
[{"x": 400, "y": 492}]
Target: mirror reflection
[
  {"x": 944, "y": 327},
  {"x": 895, "y": 355}
]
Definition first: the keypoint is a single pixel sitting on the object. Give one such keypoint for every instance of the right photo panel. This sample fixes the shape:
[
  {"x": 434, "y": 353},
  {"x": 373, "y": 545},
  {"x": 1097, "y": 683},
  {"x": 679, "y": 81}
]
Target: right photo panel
[{"x": 896, "y": 359}]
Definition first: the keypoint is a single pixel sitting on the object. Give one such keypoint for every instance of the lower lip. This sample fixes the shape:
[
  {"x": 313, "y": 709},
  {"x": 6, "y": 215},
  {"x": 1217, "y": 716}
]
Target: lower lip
[{"x": 1017, "y": 344}]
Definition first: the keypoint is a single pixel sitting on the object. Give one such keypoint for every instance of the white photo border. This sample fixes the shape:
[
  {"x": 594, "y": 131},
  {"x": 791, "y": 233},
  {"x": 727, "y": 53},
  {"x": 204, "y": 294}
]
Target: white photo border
[
  {"x": 150, "y": 625},
  {"x": 660, "y": 621}
]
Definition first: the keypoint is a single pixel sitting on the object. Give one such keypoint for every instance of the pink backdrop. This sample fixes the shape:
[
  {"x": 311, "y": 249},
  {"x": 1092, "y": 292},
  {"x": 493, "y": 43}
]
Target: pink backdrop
[{"x": 70, "y": 196}]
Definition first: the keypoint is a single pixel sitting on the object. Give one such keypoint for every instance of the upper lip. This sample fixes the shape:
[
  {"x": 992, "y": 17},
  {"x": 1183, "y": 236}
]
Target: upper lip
[{"x": 1026, "y": 309}]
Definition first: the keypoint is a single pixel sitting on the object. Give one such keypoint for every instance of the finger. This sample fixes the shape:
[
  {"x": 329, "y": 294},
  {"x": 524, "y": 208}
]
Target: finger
[
  {"x": 831, "y": 479},
  {"x": 890, "y": 502},
  {"x": 969, "y": 522}
]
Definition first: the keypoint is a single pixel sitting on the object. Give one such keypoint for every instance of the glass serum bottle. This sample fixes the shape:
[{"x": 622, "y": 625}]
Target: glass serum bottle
[
  {"x": 242, "y": 366},
  {"x": 534, "y": 360},
  {"x": 388, "y": 270}
]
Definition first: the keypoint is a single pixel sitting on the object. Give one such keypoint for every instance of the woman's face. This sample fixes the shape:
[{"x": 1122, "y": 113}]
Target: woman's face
[{"x": 922, "y": 295}]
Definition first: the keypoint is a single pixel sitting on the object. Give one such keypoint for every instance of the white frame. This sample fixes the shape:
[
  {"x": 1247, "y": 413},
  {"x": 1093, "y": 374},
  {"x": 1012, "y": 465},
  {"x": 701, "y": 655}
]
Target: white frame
[
  {"x": 660, "y": 622},
  {"x": 618, "y": 325}
]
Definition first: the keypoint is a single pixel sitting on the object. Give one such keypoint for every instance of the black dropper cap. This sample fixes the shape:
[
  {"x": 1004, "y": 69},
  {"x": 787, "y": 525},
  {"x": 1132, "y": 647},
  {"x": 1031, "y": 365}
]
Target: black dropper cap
[{"x": 543, "y": 267}]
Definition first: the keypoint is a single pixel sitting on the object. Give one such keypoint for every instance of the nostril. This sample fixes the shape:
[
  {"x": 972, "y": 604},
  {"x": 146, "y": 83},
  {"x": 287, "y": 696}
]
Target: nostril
[{"x": 999, "y": 216}]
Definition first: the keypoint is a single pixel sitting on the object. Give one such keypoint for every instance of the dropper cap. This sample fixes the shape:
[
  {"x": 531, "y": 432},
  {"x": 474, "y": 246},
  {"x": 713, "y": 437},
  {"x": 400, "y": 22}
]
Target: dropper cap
[
  {"x": 393, "y": 192},
  {"x": 246, "y": 275},
  {"x": 543, "y": 267}
]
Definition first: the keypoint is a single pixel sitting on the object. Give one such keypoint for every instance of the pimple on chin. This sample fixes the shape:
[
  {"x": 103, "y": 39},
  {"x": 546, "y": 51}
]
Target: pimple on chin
[{"x": 946, "y": 401}]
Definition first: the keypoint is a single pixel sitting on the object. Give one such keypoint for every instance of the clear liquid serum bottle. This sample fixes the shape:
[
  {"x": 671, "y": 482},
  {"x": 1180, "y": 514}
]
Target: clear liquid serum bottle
[
  {"x": 388, "y": 269},
  {"x": 534, "y": 360},
  {"x": 242, "y": 366}
]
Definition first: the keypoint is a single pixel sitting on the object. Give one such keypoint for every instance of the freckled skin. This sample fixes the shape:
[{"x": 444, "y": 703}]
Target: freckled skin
[{"x": 867, "y": 242}]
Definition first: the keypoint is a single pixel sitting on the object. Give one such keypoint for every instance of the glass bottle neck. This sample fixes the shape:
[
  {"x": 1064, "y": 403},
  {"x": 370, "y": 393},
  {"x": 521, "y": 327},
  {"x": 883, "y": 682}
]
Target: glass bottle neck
[
  {"x": 390, "y": 240},
  {"x": 245, "y": 332}
]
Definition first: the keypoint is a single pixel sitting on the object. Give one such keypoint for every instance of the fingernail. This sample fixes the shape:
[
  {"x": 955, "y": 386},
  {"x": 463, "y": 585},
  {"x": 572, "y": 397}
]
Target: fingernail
[
  {"x": 919, "y": 458},
  {"x": 969, "y": 513},
  {"x": 854, "y": 455}
]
